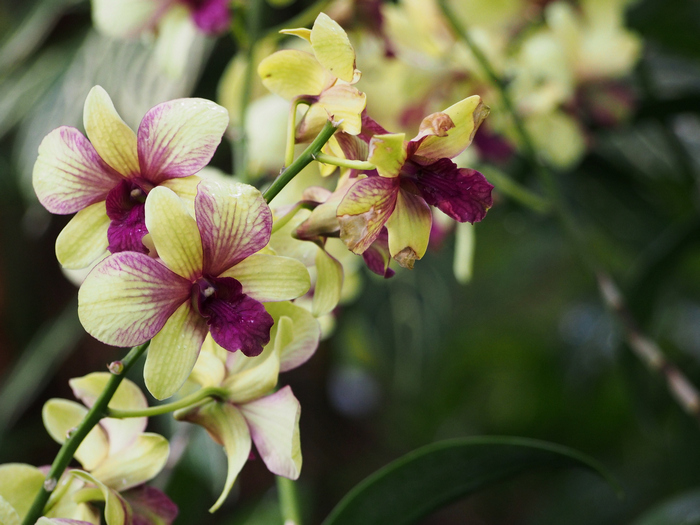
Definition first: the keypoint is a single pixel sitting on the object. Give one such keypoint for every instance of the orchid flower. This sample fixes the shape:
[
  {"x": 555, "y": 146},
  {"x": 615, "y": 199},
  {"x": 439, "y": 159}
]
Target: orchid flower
[
  {"x": 117, "y": 456},
  {"x": 176, "y": 23},
  {"x": 411, "y": 176},
  {"x": 209, "y": 279},
  {"x": 324, "y": 79},
  {"x": 250, "y": 412},
  {"x": 107, "y": 178}
]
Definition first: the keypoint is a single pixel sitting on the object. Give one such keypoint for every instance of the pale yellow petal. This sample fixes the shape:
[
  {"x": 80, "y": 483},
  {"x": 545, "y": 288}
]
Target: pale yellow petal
[
  {"x": 332, "y": 48},
  {"x": 409, "y": 229},
  {"x": 114, "y": 141},
  {"x": 61, "y": 416},
  {"x": 271, "y": 277},
  {"x": 290, "y": 73},
  {"x": 173, "y": 352},
  {"x": 174, "y": 233},
  {"x": 84, "y": 239},
  {"x": 329, "y": 284},
  {"x": 388, "y": 153}
]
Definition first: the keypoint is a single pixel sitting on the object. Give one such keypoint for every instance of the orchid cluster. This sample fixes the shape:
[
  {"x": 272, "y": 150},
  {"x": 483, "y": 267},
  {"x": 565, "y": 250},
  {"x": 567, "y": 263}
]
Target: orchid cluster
[
  {"x": 223, "y": 291},
  {"x": 564, "y": 62}
]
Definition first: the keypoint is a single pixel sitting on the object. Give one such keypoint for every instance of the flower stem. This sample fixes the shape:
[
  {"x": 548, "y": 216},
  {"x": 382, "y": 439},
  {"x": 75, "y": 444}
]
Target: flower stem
[
  {"x": 289, "y": 501},
  {"x": 282, "y": 221},
  {"x": 185, "y": 402},
  {"x": 91, "y": 419},
  {"x": 648, "y": 351},
  {"x": 301, "y": 162},
  {"x": 361, "y": 165},
  {"x": 292, "y": 130},
  {"x": 516, "y": 191}
]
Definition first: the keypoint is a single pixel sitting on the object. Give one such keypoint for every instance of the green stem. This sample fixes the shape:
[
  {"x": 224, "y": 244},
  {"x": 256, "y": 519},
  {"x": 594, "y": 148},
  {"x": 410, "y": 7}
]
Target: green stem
[
  {"x": 282, "y": 221},
  {"x": 292, "y": 130},
  {"x": 345, "y": 163},
  {"x": 517, "y": 192},
  {"x": 91, "y": 419},
  {"x": 301, "y": 162},
  {"x": 289, "y": 501},
  {"x": 166, "y": 408}
]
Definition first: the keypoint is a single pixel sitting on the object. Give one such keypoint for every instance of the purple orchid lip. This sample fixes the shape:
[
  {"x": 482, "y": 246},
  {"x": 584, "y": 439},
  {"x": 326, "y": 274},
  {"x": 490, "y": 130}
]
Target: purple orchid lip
[
  {"x": 126, "y": 209},
  {"x": 236, "y": 321}
]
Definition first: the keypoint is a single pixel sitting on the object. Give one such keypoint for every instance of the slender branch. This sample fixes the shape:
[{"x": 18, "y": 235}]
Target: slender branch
[
  {"x": 648, "y": 351},
  {"x": 644, "y": 348},
  {"x": 292, "y": 129},
  {"x": 289, "y": 501},
  {"x": 344, "y": 163},
  {"x": 282, "y": 221},
  {"x": 517, "y": 191},
  {"x": 71, "y": 444},
  {"x": 187, "y": 401},
  {"x": 302, "y": 161}
]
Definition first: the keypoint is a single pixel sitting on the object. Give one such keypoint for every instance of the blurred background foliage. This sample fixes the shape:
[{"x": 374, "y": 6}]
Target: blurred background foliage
[{"x": 526, "y": 348}]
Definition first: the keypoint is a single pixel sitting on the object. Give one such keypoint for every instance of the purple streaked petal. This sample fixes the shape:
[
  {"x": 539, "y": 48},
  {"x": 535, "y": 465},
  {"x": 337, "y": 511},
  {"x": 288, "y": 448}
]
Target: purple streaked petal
[
  {"x": 364, "y": 210},
  {"x": 236, "y": 321},
  {"x": 377, "y": 256},
  {"x": 127, "y": 298},
  {"x": 234, "y": 222},
  {"x": 274, "y": 426},
  {"x": 461, "y": 193},
  {"x": 178, "y": 138},
  {"x": 128, "y": 218},
  {"x": 150, "y": 506},
  {"x": 69, "y": 175},
  {"x": 211, "y": 16},
  {"x": 370, "y": 127}
]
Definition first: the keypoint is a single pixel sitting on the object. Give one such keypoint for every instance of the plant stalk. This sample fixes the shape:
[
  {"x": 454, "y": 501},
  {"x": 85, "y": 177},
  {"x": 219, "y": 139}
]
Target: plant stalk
[{"x": 65, "y": 454}]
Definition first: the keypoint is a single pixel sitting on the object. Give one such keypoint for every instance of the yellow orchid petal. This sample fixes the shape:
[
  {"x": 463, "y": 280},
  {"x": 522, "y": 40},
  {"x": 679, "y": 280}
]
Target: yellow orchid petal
[
  {"x": 271, "y": 277},
  {"x": 8, "y": 515},
  {"x": 306, "y": 333},
  {"x": 60, "y": 416},
  {"x": 209, "y": 370},
  {"x": 174, "y": 233},
  {"x": 388, "y": 153},
  {"x": 251, "y": 383},
  {"x": 84, "y": 239},
  {"x": 136, "y": 464},
  {"x": 121, "y": 432},
  {"x": 329, "y": 284},
  {"x": 301, "y": 32},
  {"x": 409, "y": 229},
  {"x": 290, "y": 73},
  {"x": 185, "y": 188},
  {"x": 467, "y": 115},
  {"x": 114, "y": 141},
  {"x": 227, "y": 427},
  {"x": 173, "y": 352},
  {"x": 342, "y": 103},
  {"x": 19, "y": 483},
  {"x": 117, "y": 511},
  {"x": 332, "y": 47}
]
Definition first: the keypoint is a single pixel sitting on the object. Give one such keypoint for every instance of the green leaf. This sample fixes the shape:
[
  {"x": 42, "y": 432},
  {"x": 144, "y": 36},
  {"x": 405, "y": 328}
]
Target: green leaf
[
  {"x": 430, "y": 477},
  {"x": 683, "y": 509}
]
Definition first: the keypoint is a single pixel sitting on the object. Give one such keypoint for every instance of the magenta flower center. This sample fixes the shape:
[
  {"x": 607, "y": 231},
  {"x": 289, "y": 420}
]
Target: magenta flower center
[
  {"x": 126, "y": 209},
  {"x": 236, "y": 321}
]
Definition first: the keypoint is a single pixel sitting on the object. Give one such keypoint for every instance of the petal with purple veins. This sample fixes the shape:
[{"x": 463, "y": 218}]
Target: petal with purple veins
[
  {"x": 377, "y": 256},
  {"x": 274, "y": 427},
  {"x": 150, "y": 506},
  {"x": 178, "y": 138},
  {"x": 127, "y": 298},
  {"x": 234, "y": 222},
  {"x": 127, "y": 218},
  {"x": 461, "y": 193},
  {"x": 69, "y": 175},
  {"x": 364, "y": 210}
]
